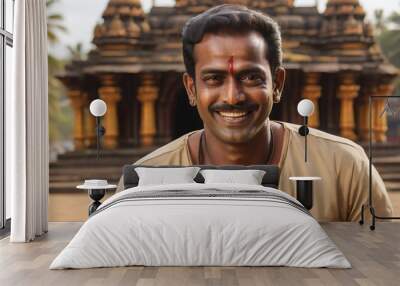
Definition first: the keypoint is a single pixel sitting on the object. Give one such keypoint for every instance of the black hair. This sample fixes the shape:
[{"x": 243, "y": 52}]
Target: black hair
[{"x": 234, "y": 19}]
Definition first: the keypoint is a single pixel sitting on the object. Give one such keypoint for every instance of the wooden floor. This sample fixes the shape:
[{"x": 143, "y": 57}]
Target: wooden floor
[{"x": 375, "y": 257}]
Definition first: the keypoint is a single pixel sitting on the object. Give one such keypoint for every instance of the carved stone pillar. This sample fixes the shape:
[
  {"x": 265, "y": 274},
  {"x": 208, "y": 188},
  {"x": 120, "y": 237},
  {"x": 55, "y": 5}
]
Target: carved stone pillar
[
  {"x": 147, "y": 95},
  {"x": 347, "y": 92},
  {"x": 312, "y": 91},
  {"x": 363, "y": 112},
  {"x": 77, "y": 102},
  {"x": 90, "y": 126},
  {"x": 380, "y": 125},
  {"x": 110, "y": 93}
]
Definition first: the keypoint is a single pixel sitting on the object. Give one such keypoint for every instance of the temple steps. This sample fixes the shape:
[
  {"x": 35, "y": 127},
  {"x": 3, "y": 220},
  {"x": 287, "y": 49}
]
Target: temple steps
[
  {"x": 73, "y": 168},
  {"x": 112, "y": 177},
  {"x": 395, "y": 177},
  {"x": 392, "y": 186},
  {"x": 382, "y": 150},
  {"x": 386, "y": 159},
  {"x": 107, "y": 158}
]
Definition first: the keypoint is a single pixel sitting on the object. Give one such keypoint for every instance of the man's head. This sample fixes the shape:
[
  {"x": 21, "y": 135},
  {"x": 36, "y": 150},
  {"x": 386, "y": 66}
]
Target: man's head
[{"x": 233, "y": 60}]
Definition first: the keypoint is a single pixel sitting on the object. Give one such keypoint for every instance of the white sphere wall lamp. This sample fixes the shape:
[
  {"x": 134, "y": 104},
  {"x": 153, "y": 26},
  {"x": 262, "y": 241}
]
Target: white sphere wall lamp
[
  {"x": 305, "y": 108},
  {"x": 98, "y": 108}
]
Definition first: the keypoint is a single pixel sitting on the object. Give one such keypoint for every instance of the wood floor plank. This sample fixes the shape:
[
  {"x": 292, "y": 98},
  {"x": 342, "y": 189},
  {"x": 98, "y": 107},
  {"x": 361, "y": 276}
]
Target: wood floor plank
[
  {"x": 375, "y": 257},
  {"x": 131, "y": 276}
]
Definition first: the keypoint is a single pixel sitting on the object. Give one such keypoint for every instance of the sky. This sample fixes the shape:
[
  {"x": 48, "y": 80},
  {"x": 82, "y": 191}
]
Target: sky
[{"x": 80, "y": 17}]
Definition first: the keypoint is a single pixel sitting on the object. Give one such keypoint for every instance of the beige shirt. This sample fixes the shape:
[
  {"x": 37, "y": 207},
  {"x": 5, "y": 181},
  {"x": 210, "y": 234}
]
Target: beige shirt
[{"x": 341, "y": 163}]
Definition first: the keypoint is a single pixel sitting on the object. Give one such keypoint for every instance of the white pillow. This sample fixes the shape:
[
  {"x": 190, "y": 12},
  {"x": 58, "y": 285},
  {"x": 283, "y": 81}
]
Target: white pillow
[
  {"x": 162, "y": 176},
  {"x": 248, "y": 177}
]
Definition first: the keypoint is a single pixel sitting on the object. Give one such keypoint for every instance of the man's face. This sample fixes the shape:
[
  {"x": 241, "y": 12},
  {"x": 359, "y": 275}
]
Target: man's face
[{"x": 234, "y": 89}]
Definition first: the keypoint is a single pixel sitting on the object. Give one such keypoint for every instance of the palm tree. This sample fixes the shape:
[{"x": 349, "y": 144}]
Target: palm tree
[
  {"x": 389, "y": 38},
  {"x": 380, "y": 25},
  {"x": 54, "y": 22},
  {"x": 76, "y": 52},
  {"x": 59, "y": 122}
]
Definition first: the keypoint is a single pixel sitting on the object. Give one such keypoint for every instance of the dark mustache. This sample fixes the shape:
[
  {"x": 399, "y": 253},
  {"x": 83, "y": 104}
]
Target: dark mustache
[{"x": 243, "y": 106}]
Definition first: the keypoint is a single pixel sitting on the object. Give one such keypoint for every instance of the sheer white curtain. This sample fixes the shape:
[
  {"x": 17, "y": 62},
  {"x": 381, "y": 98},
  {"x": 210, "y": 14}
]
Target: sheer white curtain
[{"x": 27, "y": 124}]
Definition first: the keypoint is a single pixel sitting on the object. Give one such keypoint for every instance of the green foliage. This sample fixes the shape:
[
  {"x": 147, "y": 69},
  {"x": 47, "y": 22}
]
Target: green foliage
[
  {"x": 60, "y": 114},
  {"x": 54, "y": 22},
  {"x": 379, "y": 21},
  {"x": 76, "y": 52},
  {"x": 389, "y": 39},
  {"x": 388, "y": 36}
]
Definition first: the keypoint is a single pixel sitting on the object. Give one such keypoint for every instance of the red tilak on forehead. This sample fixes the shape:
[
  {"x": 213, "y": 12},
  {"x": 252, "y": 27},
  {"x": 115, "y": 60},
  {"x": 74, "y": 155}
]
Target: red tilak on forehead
[{"x": 230, "y": 65}]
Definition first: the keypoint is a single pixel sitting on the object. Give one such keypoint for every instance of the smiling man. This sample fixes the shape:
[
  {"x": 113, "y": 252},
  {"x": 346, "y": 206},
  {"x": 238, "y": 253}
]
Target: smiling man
[{"x": 234, "y": 76}]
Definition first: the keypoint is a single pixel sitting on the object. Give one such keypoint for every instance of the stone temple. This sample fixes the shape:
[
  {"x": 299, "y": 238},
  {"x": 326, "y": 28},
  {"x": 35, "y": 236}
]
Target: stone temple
[{"x": 136, "y": 67}]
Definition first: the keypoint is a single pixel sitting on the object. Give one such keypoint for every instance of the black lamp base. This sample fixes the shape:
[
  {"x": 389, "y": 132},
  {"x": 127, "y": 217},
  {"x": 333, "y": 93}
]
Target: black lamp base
[
  {"x": 304, "y": 193},
  {"x": 96, "y": 195},
  {"x": 304, "y": 190}
]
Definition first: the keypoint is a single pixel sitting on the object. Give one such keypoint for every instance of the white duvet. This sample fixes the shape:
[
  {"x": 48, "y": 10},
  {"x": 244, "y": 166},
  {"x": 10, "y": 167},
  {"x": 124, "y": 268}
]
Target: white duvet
[{"x": 207, "y": 230}]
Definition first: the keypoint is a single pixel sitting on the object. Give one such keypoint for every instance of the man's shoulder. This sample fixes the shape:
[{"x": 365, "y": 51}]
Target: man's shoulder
[
  {"x": 329, "y": 141},
  {"x": 172, "y": 153}
]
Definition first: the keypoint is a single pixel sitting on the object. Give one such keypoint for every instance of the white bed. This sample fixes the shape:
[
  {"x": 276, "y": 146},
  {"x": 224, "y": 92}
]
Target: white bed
[{"x": 222, "y": 225}]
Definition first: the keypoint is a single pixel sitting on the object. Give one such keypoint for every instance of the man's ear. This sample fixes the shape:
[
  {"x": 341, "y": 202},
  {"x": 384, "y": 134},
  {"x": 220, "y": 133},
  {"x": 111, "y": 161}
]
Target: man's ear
[
  {"x": 279, "y": 82},
  {"x": 190, "y": 88}
]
